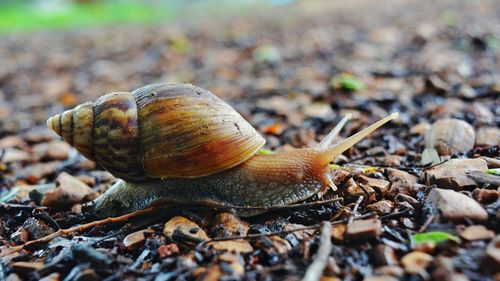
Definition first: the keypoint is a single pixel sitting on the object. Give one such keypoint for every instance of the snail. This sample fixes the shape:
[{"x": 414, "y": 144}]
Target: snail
[{"x": 178, "y": 143}]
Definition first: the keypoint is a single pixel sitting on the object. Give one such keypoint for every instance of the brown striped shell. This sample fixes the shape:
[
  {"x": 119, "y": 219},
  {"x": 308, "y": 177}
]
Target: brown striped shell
[{"x": 159, "y": 131}]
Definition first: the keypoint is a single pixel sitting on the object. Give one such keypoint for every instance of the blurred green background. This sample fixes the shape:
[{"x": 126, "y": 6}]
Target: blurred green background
[{"x": 21, "y": 16}]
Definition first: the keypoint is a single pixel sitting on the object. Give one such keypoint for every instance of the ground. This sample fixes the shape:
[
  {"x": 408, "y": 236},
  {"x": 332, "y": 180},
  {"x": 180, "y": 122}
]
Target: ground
[{"x": 417, "y": 200}]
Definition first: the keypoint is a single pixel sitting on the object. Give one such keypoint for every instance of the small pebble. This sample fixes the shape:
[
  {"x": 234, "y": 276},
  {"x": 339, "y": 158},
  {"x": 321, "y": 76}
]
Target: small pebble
[
  {"x": 380, "y": 186},
  {"x": 381, "y": 207},
  {"x": 395, "y": 175},
  {"x": 383, "y": 255},
  {"x": 227, "y": 224},
  {"x": 492, "y": 261},
  {"x": 12, "y": 155},
  {"x": 453, "y": 205},
  {"x": 477, "y": 232},
  {"x": 488, "y": 136},
  {"x": 420, "y": 129},
  {"x": 183, "y": 227},
  {"x": 136, "y": 239},
  {"x": 449, "y": 136},
  {"x": 416, "y": 262},
  {"x": 361, "y": 230},
  {"x": 485, "y": 196},
  {"x": 69, "y": 191}
]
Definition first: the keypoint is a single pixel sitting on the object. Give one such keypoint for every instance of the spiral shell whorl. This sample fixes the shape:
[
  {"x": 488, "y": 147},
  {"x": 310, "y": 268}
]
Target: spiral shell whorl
[
  {"x": 75, "y": 127},
  {"x": 116, "y": 135}
]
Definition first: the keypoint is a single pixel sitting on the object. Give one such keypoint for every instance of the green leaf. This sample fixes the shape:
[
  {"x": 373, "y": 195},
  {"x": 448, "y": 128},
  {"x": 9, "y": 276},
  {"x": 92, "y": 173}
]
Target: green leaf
[
  {"x": 334, "y": 166},
  {"x": 433, "y": 237},
  {"x": 265, "y": 151},
  {"x": 493, "y": 171},
  {"x": 347, "y": 82}
]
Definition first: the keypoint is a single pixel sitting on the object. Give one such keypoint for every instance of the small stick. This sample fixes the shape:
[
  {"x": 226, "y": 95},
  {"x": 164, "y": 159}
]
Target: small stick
[
  {"x": 79, "y": 228},
  {"x": 395, "y": 214},
  {"x": 356, "y": 206},
  {"x": 354, "y": 211},
  {"x": 315, "y": 270},
  {"x": 426, "y": 223},
  {"x": 18, "y": 207}
]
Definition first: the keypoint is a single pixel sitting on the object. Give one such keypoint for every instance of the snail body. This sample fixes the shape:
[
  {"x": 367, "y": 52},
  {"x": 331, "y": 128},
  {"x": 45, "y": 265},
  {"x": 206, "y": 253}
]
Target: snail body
[{"x": 177, "y": 143}]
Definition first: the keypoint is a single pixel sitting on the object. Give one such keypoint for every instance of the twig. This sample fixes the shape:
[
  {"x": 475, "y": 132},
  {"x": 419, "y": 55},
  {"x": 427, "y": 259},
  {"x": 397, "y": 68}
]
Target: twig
[
  {"x": 356, "y": 206},
  {"x": 2, "y": 154},
  {"x": 354, "y": 212},
  {"x": 18, "y": 207},
  {"x": 426, "y": 223},
  {"x": 355, "y": 209},
  {"x": 78, "y": 228},
  {"x": 395, "y": 214},
  {"x": 484, "y": 178},
  {"x": 315, "y": 270}
]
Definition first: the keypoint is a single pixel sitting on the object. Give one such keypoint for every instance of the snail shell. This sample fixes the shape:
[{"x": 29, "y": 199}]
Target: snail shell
[{"x": 159, "y": 131}]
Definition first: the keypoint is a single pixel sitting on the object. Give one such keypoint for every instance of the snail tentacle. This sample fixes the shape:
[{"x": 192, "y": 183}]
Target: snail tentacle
[
  {"x": 328, "y": 140},
  {"x": 330, "y": 153}
]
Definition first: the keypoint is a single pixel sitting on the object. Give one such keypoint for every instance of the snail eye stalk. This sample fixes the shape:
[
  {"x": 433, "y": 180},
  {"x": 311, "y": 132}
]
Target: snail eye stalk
[
  {"x": 328, "y": 140},
  {"x": 329, "y": 153}
]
